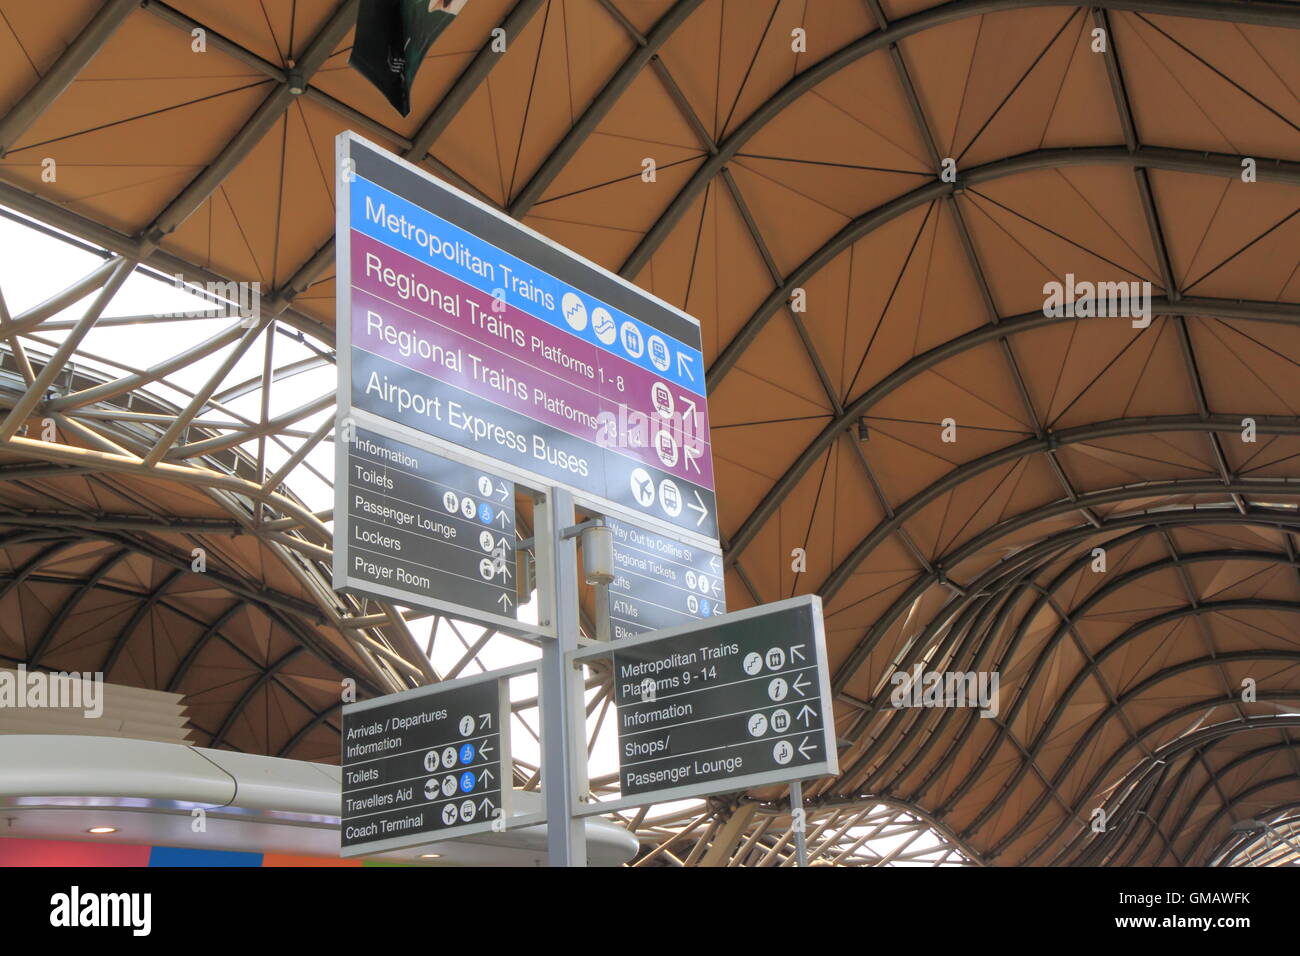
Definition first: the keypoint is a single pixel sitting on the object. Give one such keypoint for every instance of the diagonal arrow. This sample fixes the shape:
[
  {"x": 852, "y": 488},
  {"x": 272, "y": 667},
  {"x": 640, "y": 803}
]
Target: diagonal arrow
[
  {"x": 805, "y": 746},
  {"x": 485, "y": 720},
  {"x": 796, "y": 650},
  {"x": 686, "y": 365}
]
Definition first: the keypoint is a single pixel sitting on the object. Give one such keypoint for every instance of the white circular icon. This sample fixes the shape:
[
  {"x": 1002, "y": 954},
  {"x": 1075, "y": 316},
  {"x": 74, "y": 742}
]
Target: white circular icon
[
  {"x": 661, "y": 397},
  {"x": 602, "y": 323},
  {"x": 487, "y": 569},
  {"x": 431, "y": 760},
  {"x": 633, "y": 343},
  {"x": 449, "y": 756},
  {"x": 485, "y": 486},
  {"x": 643, "y": 487},
  {"x": 670, "y": 497},
  {"x": 775, "y": 658},
  {"x": 449, "y": 785},
  {"x": 467, "y": 507},
  {"x": 486, "y": 541},
  {"x": 666, "y": 447},
  {"x": 451, "y": 501},
  {"x": 658, "y": 350},
  {"x": 467, "y": 810},
  {"x": 703, "y": 584},
  {"x": 753, "y": 663},
  {"x": 575, "y": 313},
  {"x": 466, "y": 725},
  {"x": 776, "y": 688},
  {"x": 783, "y": 752},
  {"x": 692, "y": 604},
  {"x": 780, "y": 720},
  {"x": 431, "y": 789},
  {"x": 449, "y": 813},
  {"x": 757, "y": 725},
  {"x": 690, "y": 580}
]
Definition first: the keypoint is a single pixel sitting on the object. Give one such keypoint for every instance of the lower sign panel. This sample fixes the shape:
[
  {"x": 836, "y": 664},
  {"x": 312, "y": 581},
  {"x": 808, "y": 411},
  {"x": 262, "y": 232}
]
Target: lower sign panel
[
  {"x": 421, "y": 529},
  {"x": 424, "y": 765},
  {"x": 739, "y": 702}
]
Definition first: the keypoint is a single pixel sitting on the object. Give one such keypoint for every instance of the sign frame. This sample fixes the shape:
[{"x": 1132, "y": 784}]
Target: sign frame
[
  {"x": 505, "y": 760},
  {"x": 344, "y": 143},
  {"x": 828, "y": 767}
]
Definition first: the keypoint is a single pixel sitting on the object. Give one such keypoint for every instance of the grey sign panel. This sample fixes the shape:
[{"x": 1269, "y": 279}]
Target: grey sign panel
[
  {"x": 661, "y": 582},
  {"x": 736, "y": 702},
  {"x": 460, "y": 324},
  {"x": 420, "y": 529},
  {"x": 426, "y": 764}
]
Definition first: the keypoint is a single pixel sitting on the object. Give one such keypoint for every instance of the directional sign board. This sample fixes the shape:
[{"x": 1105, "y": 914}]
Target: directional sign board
[
  {"x": 426, "y": 764},
  {"x": 737, "y": 702},
  {"x": 660, "y": 582},
  {"x": 461, "y": 324},
  {"x": 420, "y": 529}
]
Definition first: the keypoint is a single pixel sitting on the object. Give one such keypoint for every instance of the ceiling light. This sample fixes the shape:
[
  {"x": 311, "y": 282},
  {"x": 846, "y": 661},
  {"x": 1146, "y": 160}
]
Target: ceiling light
[{"x": 102, "y": 830}]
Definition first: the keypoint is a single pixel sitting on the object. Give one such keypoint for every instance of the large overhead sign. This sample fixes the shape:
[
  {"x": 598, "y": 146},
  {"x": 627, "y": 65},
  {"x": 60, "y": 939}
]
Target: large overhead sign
[
  {"x": 426, "y": 764},
  {"x": 660, "y": 582},
  {"x": 420, "y": 529},
  {"x": 464, "y": 326},
  {"x": 737, "y": 702}
]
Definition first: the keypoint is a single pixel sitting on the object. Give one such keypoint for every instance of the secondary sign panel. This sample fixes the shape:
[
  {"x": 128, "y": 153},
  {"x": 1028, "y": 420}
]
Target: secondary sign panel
[
  {"x": 741, "y": 701},
  {"x": 421, "y": 529},
  {"x": 660, "y": 582},
  {"x": 425, "y": 764},
  {"x": 458, "y": 322}
]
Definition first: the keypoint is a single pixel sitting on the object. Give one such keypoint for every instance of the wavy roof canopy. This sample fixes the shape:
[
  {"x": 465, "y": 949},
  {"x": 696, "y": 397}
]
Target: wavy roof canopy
[{"x": 853, "y": 301}]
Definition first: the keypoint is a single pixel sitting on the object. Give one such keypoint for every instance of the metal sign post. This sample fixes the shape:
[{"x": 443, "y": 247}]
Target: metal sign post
[{"x": 560, "y": 698}]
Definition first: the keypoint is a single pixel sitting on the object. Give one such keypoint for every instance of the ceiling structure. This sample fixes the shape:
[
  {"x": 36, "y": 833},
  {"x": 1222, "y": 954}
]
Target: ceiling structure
[{"x": 972, "y": 484}]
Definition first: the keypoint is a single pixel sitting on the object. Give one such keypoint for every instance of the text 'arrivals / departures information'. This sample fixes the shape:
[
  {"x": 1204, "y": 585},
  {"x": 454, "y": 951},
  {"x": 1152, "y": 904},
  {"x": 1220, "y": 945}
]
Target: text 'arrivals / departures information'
[
  {"x": 422, "y": 763},
  {"x": 463, "y": 325},
  {"x": 741, "y": 703},
  {"x": 423, "y": 529},
  {"x": 660, "y": 582}
]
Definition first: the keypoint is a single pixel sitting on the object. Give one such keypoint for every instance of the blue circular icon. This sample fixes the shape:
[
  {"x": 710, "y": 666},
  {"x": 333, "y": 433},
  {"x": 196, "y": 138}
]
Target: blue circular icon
[
  {"x": 467, "y": 781},
  {"x": 467, "y": 753},
  {"x": 485, "y": 513},
  {"x": 704, "y": 608}
]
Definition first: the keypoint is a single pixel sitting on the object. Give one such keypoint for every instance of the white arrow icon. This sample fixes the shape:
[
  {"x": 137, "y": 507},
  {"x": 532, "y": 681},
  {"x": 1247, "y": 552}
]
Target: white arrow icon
[
  {"x": 717, "y": 611},
  {"x": 799, "y": 688},
  {"x": 797, "y": 652},
  {"x": 486, "y": 747},
  {"x": 698, "y": 506},
  {"x": 805, "y": 747},
  {"x": 685, "y": 364},
  {"x": 805, "y": 713},
  {"x": 502, "y": 491},
  {"x": 504, "y": 601},
  {"x": 501, "y": 516},
  {"x": 486, "y": 805},
  {"x": 485, "y": 776},
  {"x": 485, "y": 720},
  {"x": 713, "y": 563}
]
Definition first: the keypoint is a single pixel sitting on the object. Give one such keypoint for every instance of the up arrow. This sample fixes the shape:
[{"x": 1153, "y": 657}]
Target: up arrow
[
  {"x": 483, "y": 750},
  {"x": 805, "y": 747},
  {"x": 698, "y": 505},
  {"x": 806, "y": 712},
  {"x": 504, "y": 601},
  {"x": 487, "y": 774},
  {"x": 800, "y": 687},
  {"x": 501, "y": 516},
  {"x": 796, "y": 651},
  {"x": 487, "y": 805}
]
